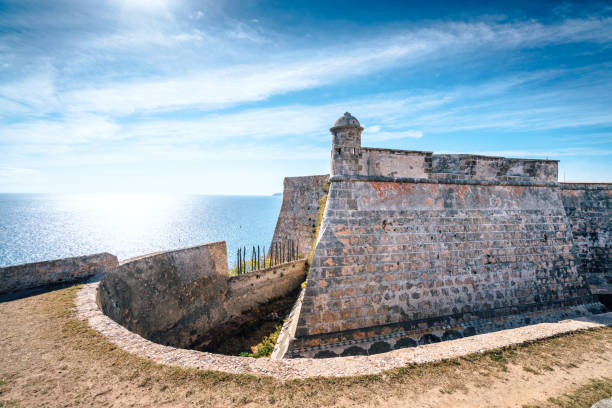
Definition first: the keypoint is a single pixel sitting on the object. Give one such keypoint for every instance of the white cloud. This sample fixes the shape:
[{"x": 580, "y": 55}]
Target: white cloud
[
  {"x": 132, "y": 39},
  {"x": 17, "y": 174},
  {"x": 547, "y": 153},
  {"x": 381, "y": 136},
  {"x": 35, "y": 94},
  {"x": 72, "y": 130}
]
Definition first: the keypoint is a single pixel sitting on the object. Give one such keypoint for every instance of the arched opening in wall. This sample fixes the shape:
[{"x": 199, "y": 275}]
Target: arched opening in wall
[{"x": 606, "y": 300}]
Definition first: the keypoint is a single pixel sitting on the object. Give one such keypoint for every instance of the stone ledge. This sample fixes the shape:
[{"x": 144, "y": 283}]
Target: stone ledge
[
  {"x": 585, "y": 186},
  {"x": 88, "y": 310},
  {"x": 523, "y": 183}
]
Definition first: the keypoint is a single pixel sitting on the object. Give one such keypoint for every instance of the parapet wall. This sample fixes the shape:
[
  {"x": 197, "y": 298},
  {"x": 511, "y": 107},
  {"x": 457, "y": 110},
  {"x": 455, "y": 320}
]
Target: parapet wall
[
  {"x": 162, "y": 295},
  {"x": 180, "y": 297},
  {"x": 250, "y": 289},
  {"x": 403, "y": 262},
  {"x": 27, "y": 276},
  {"x": 374, "y": 162},
  {"x": 589, "y": 209},
  {"x": 469, "y": 166},
  {"x": 298, "y": 215}
]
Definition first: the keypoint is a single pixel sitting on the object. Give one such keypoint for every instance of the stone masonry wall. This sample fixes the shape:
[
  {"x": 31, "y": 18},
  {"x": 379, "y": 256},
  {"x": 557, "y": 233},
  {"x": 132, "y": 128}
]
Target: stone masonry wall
[
  {"x": 589, "y": 210},
  {"x": 374, "y": 162},
  {"x": 250, "y": 289},
  {"x": 180, "y": 297},
  {"x": 27, "y": 276},
  {"x": 298, "y": 215},
  {"x": 406, "y": 262},
  {"x": 394, "y": 163},
  {"x": 169, "y": 297},
  {"x": 469, "y": 166}
]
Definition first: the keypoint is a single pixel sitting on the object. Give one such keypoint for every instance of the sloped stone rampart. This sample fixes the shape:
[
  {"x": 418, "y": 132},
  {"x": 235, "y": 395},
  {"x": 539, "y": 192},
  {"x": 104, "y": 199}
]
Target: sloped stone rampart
[
  {"x": 298, "y": 215},
  {"x": 589, "y": 209},
  {"x": 181, "y": 297},
  {"x": 403, "y": 263},
  {"x": 37, "y": 274}
]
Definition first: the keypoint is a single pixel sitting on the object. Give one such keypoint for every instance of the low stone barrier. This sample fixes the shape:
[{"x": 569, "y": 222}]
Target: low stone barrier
[
  {"x": 38, "y": 274},
  {"x": 179, "y": 297},
  {"x": 249, "y": 289}
]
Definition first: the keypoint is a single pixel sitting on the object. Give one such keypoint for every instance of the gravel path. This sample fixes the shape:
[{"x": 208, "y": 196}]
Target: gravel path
[{"x": 88, "y": 310}]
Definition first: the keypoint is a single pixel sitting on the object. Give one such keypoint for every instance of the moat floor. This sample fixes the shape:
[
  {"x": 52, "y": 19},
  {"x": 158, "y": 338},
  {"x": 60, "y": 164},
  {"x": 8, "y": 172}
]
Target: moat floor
[{"x": 49, "y": 358}]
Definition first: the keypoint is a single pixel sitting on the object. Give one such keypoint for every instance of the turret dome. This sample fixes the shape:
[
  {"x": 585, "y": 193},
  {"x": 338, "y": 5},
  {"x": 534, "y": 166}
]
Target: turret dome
[{"x": 347, "y": 120}]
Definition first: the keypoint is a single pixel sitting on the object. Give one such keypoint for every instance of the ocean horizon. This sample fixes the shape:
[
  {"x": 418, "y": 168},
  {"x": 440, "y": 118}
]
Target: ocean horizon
[{"x": 40, "y": 227}]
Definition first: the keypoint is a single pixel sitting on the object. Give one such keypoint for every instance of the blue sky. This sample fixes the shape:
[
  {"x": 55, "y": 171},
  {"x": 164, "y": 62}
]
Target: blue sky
[{"x": 228, "y": 97}]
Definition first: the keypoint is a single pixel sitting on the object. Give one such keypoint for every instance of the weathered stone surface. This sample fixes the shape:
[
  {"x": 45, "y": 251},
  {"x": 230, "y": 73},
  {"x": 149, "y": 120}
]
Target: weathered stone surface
[
  {"x": 470, "y": 166},
  {"x": 172, "y": 297},
  {"x": 250, "y": 289},
  {"x": 589, "y": 210},
  {"x": 430, "y": 261},
  {"x": 178, "y": 298},
  {"x": 27, "y": 276},
  {"x": 465, "y": 244},
  {"x": 298, "y": 215},
  {"x": 350, "y": 158}
]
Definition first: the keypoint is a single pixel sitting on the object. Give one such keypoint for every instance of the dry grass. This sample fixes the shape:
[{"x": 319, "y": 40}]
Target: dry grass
[
  {"x": 584, "y": 396},
  {"x": 49, "y": 358}
]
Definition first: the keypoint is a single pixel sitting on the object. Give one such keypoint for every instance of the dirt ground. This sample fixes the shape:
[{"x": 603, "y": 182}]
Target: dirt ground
[{"x": 50, "y": 359}]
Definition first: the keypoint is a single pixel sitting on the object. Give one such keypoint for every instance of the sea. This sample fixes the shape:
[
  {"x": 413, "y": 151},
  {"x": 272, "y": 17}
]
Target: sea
[{"x": 39, "y": 227}]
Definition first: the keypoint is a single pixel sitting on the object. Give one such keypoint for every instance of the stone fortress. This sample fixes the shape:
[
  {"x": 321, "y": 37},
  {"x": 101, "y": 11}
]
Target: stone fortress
[
  {"x": 400, "y": 248},
  {"x": 416, "y": 247}
]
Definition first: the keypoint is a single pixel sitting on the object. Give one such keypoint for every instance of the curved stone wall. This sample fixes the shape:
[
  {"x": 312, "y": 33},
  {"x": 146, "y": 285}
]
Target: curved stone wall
[
  {"x": 285, "y": 369},
  {"x": 180, "y": 297},
  {"x": 37, "y": 274}
]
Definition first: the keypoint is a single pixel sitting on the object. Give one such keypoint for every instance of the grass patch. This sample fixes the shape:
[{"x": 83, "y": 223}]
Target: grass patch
[
  {"x": 530, "y": 370},
  {"x": 266, "y": 346}
]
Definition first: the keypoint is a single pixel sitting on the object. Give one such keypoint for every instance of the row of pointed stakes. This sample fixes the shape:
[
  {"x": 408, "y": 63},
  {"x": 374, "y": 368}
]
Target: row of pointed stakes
[{"x": 280, "y": 252}]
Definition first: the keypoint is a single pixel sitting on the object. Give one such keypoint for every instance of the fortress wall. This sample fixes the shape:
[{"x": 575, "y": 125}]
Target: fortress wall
[
  {"x": 394, "y": 163},
  {"x": 374, "y": 162},
  {"x": 169, "y": 297},
  {"x": 184, "y": 297},
  {"x": 400, "y": 263},
  {"x": 589, "y": 209},
  {"x": 298, "y": 215},
  {"x": 27, "y": 276},
  {"x": 468, "y": 166},
  {"x": 250, "y": 289}
]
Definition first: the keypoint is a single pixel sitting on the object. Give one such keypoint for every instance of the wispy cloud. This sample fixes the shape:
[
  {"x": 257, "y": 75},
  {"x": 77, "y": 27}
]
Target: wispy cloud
[{"x": 211, "y": 89}]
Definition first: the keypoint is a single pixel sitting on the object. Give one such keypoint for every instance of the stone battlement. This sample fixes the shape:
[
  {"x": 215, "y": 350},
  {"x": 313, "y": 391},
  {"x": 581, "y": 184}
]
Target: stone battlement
[
  {"x": 417, "y": 247},
  {"x": 350, "y": 158}
]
